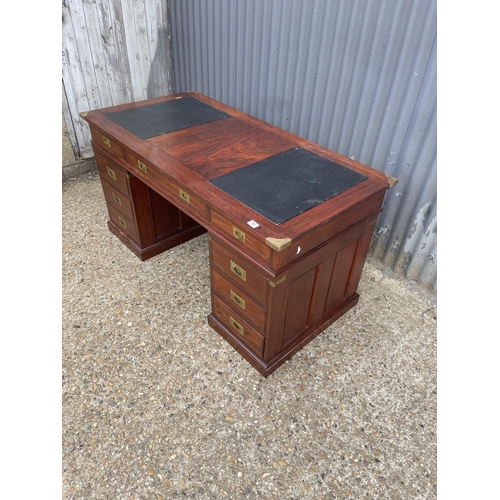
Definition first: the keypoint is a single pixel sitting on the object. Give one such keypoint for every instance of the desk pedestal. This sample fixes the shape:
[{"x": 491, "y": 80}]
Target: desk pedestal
[
  {"x": 144, "y": 221},
  {"x": 268, "y": 320}
]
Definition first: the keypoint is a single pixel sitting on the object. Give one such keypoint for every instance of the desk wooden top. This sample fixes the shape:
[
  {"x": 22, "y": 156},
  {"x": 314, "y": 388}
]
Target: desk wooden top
[{"x": 193, "y": 156}]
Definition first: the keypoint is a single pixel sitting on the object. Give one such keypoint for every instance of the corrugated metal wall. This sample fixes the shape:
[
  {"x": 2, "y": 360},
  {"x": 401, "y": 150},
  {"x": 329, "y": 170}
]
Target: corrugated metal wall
[
  {"x": 113, "y": 52},
  {"x": 356, "y": 76}
]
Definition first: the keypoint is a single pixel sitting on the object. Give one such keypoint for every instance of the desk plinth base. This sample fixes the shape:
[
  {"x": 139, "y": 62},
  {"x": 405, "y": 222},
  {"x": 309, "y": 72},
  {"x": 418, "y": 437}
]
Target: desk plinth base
[
  {"x": 265, "y": 369},
  {"x": 161, "y": 246}
]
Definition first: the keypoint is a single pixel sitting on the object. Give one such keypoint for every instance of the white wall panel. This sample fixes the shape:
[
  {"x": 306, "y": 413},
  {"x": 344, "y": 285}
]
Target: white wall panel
[{"x": 113, "y": 53}]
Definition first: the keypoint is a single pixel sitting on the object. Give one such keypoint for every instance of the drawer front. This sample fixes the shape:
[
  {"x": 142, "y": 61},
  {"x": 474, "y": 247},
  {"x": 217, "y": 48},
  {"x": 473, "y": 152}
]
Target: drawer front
[
  {"x": 118, "y": 200},
  {"x": 188, "y": 200},
  {"x": 182, "y": 197},
  {"x": 235, "y": 268},
  {"x": 236, "y": 298},
  {"x": 125, "y": 225},
  {"x": 238, "y": 326},
  {"x": 138, "y": 164},
  {"x": 107, "y": 142},
  {"x": 240, "y": 236},
  {"x": 114, "y": 175}
]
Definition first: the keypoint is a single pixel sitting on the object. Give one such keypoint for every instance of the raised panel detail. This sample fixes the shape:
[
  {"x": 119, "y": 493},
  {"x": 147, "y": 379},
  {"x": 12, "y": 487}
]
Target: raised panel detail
[
  {"x": 299, "y": 301},
  {"x": 340, "y": 275}
]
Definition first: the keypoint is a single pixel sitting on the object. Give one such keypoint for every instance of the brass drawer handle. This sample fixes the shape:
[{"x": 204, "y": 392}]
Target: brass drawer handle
[
  {"x": 236, "y": 325},
  {"x": 117, "y": 198},
  {"x": 122, "y": 222},
  {"x": 237, "y": 299},
  {"x": 106, "y": 141},
  {"x": 141, "y": 165},
  {"x": 111, "y": 173},
  {"x": 240, "y": 235},
  {"x": 238, "y": 271},
  {"x": 184, "y": 195}
]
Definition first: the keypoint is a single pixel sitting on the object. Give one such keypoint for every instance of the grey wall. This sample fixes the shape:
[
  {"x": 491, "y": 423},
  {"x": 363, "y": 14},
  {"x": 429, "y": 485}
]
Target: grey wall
[{"x": 358, "y": 77}]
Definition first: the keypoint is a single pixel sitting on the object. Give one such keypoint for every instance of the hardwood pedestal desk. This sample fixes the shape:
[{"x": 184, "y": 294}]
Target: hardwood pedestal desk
[{"x": 284, "y": 263}]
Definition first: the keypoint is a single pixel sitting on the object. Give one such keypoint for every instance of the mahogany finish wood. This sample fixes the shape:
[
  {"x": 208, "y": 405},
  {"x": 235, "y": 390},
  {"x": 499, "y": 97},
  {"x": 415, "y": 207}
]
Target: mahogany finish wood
[{"x": 274, "y": 287}]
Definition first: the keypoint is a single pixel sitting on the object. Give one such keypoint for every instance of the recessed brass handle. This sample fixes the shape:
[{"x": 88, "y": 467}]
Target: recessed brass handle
[
  {"x": 238, "y": 270},
  {"x": 184, "y": 195},
  {"x": 106, "y": 141},
  {"x": 236, "y": 325},
  {"x": 240, "y": 235},
  {"x": 122, "y": 222},
  {"x": 117, "y": 198},
  {"x": 141, "y": 165},
  {"x": 236, "y": 298},
  {"x": 111, "y": 173}
]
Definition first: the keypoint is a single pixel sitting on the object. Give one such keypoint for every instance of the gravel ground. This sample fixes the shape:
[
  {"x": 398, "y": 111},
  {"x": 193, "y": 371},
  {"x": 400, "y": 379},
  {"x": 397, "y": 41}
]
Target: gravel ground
[{"x": 156, "y": 405}]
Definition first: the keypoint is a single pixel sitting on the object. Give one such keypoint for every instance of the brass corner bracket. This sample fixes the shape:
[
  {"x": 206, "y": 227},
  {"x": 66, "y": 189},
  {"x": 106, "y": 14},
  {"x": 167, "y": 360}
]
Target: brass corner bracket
[
  {"x": 278, "y": 244},
  {"x": 392, "y": 180},
  {"x": 276, "y": 283}
]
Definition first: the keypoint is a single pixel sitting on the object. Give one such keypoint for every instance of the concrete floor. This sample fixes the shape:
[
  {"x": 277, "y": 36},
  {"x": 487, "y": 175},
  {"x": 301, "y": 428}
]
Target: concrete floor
[{"x": 156, "y": 405}]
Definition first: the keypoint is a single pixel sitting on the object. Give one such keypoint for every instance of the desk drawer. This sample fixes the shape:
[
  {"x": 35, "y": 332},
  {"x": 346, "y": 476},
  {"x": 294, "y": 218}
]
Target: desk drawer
[
  {"x": 188, "y": 200},
  {"x": 118, "y": 200},
  {"x": 138, "y": 164},
  {"x": 123, "y": 223},
  {"x": 237, "y": 269},
  {"x": 240, "y": 236},
  {"x": 238, "y": 326},
  {"x": 238, "y": 300},
  {"x": 105, "y": 140},
  {"x": 114, "y": 175}
]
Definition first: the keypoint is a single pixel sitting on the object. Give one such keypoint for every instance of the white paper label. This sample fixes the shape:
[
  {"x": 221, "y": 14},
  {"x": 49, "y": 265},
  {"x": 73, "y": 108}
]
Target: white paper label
[{"x": 252, "y": 223}]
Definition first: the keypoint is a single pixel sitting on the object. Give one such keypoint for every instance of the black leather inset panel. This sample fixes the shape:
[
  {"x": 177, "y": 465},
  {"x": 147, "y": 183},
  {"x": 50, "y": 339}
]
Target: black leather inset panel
[
  {"x": 287, "y": 184},
  {"x": 157, "y": 119}
]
